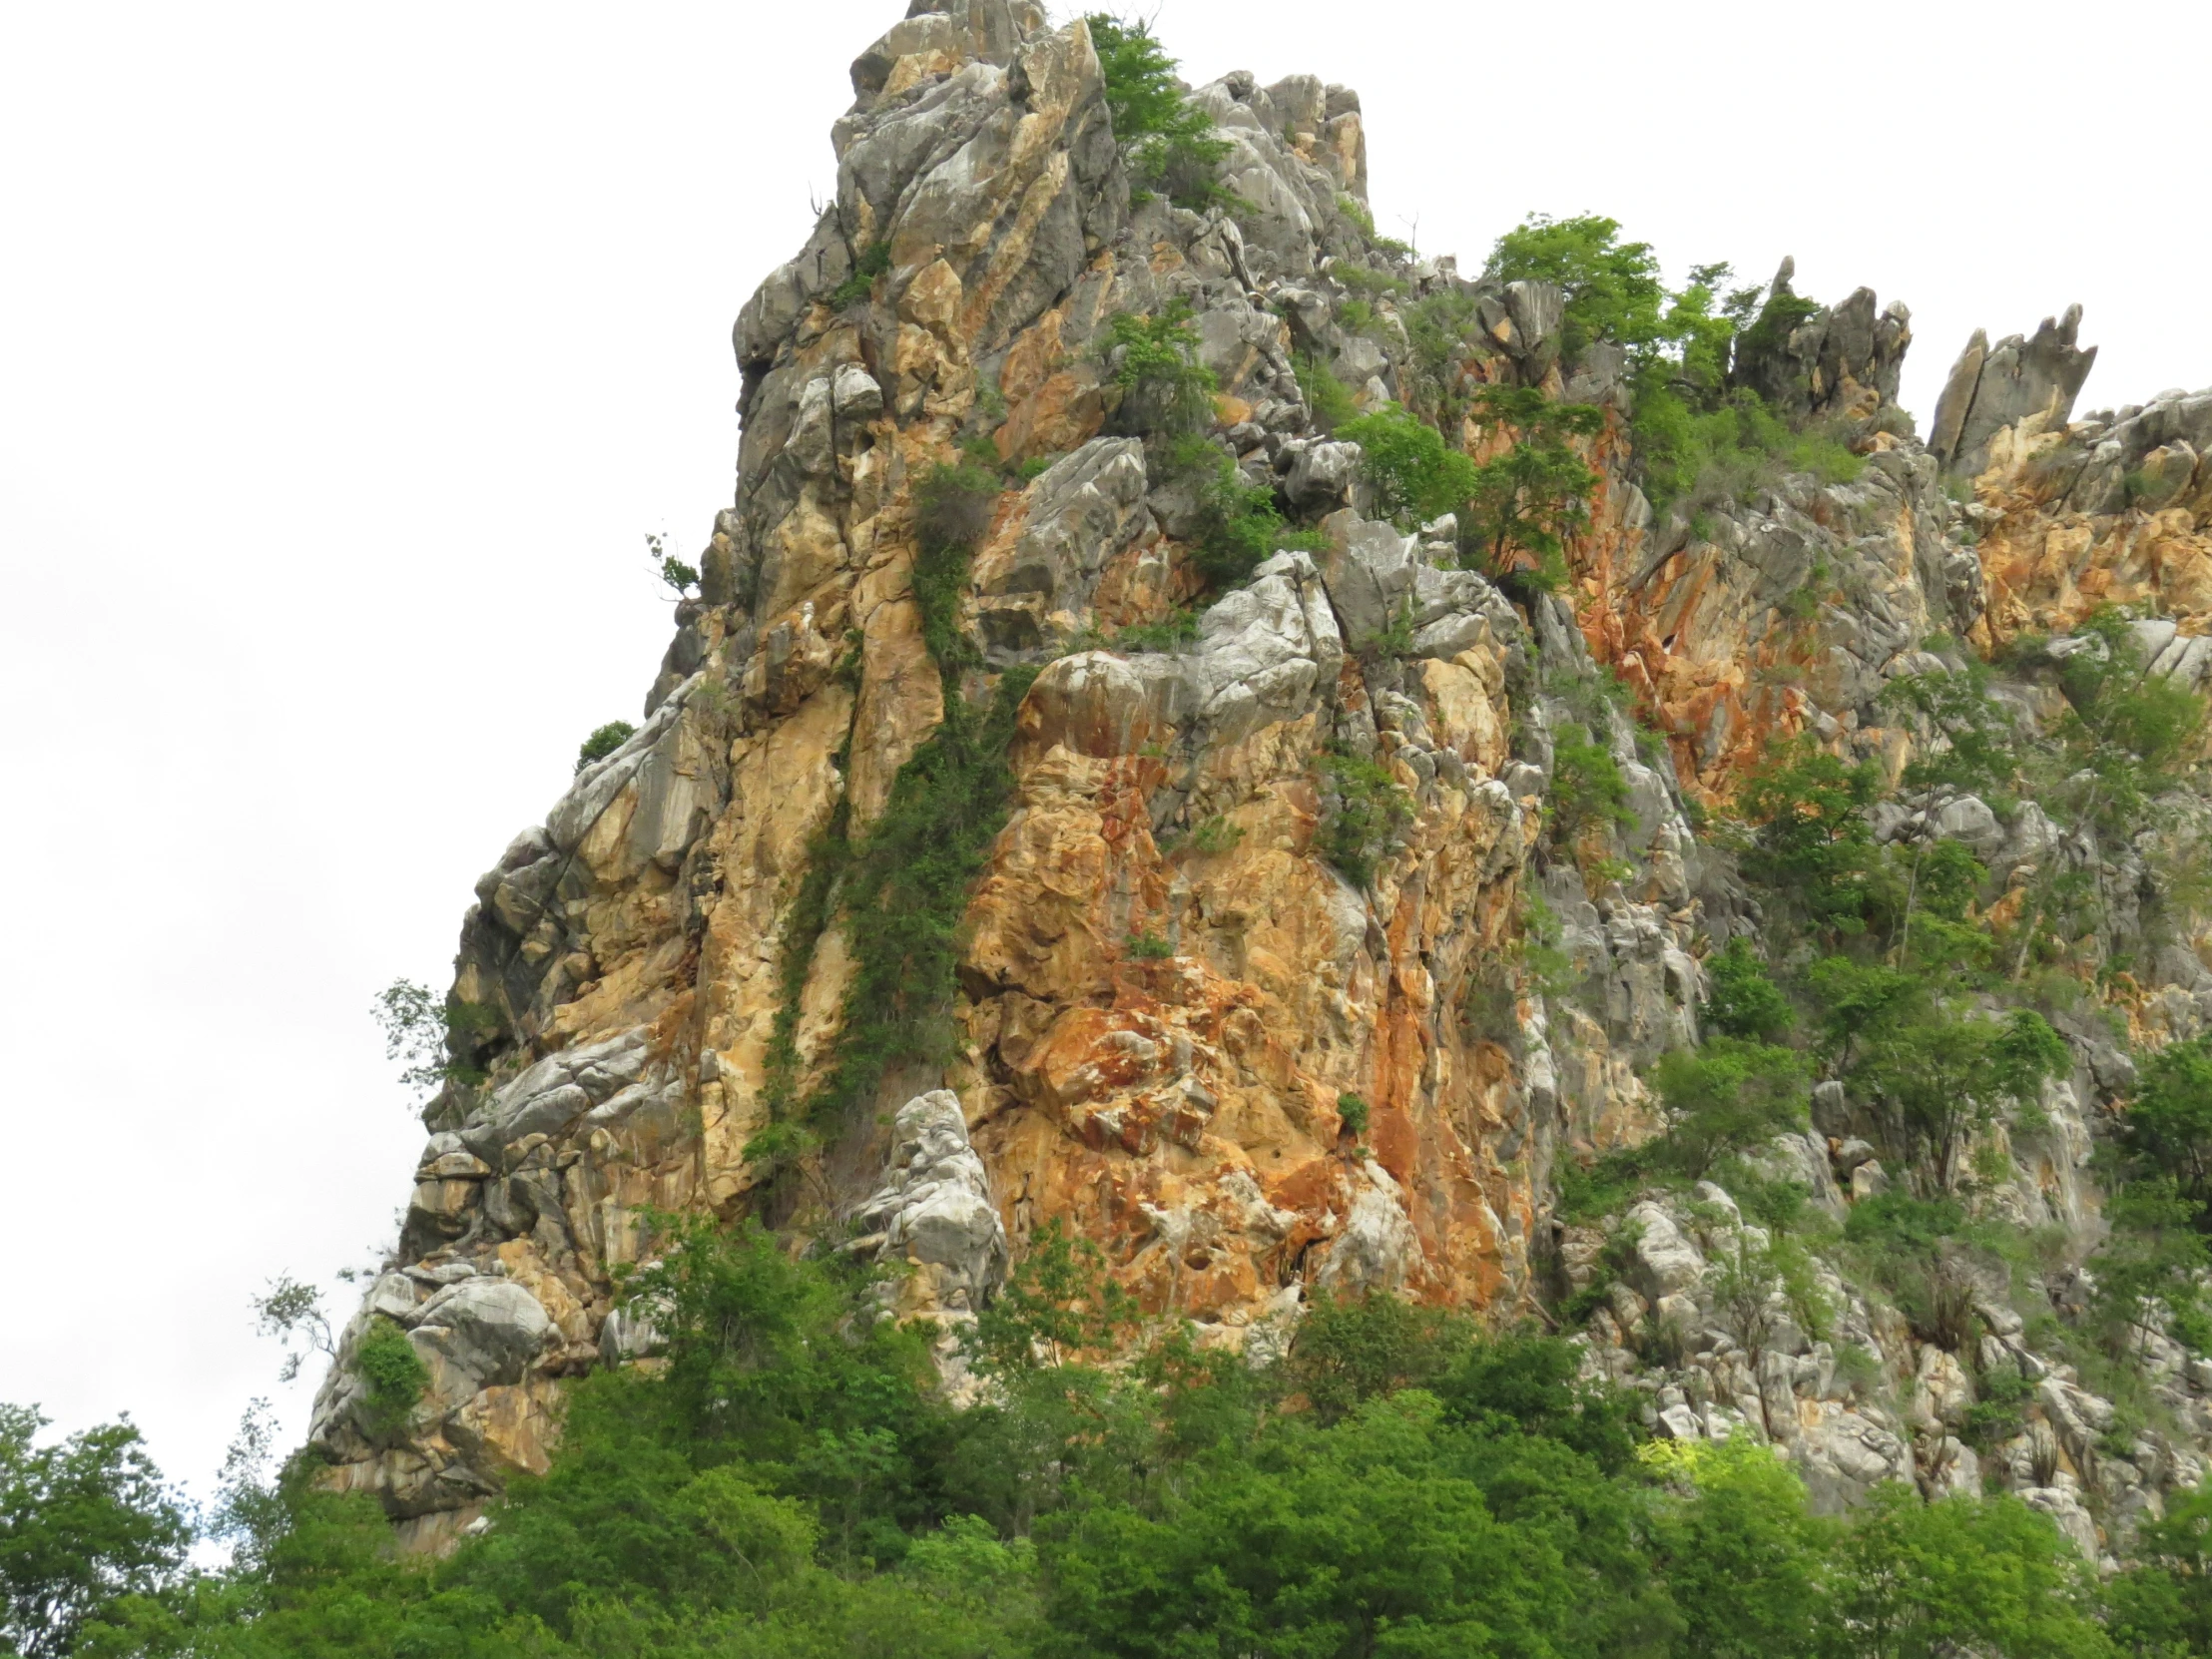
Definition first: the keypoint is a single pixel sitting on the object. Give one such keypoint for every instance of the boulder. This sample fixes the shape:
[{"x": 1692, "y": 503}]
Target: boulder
[{"x": 934, "y": 1207}]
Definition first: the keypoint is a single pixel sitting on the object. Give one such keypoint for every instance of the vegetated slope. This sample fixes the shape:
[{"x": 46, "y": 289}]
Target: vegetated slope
[{"x": 1530, "y": 793}]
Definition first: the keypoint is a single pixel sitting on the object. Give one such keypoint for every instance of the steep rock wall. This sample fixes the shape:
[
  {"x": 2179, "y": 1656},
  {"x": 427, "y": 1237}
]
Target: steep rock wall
[{"x": 1181, "y": 1103}]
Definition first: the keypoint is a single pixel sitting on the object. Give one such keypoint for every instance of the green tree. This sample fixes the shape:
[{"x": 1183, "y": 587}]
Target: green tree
[
  {"x": 1417, "y": 476},
  {"x": 1813, "y": 845},
  {"x": 1168, "y": 140},
  {"x": 1165, "y": 387},
  {"x": 2168, "y": 1125},
  {"x": 1726, "y": 1097},
  {"x": 1746, "y": 1561},
  {"x": 1940, "y": 1080},
  {"x": 84, "y": 1523},
  {"x": 1357, "y": 1539},
  {"x": 1058, "y": 1304},
  {"x": 2161, "y": 1606},
  {"x": 1350, "y": 1350},
  {"x": 1612, "y": 288},
  {"x": 1919, "y": 1581},
  {"x": 603, "y": 742},
  {"x": 1526, "y": 501},
  {"x": 1742, "y": 999}
]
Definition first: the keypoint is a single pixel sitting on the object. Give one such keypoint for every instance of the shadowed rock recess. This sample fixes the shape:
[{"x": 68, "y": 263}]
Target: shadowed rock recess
[{"x": 1307, "y": 842}]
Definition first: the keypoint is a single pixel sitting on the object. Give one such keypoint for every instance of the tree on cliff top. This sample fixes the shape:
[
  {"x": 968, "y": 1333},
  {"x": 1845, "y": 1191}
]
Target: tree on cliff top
[{"x": 1168, "y": 140}]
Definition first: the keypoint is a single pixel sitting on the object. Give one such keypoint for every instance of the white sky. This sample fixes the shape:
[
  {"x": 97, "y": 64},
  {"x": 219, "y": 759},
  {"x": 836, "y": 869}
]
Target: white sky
[{"x": 347, "y": 352}]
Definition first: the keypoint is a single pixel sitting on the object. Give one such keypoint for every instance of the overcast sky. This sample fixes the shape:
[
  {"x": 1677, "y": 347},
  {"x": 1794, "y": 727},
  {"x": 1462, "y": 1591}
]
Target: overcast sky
[{"x": 348, "y": 352}]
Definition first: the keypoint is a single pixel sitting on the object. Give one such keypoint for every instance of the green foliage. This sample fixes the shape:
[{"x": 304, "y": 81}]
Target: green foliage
[
  {"x": 1940, "y": 1079},
  {"x": 1742, "y": 1000},
  {"x": 2151, "y": 1271},
  {"x": 1439, "y": 329},
  {"x": 1588, "y": 788},
  {"x": 1352, "y": 1113},
  {"x": 1730, "y": 451},
  {"x": 674, "y": 571},
  {"x": 1168, "y": 140},
  {"x": 1415, "y": 475},
  {"x": 1726, "y": 1097},
  {"x": 1162, "y": 381},
  {"x": 1747, "y": 1558},
  {"x": 1921, "y": 1580},
  {"x": 2000, "y": 1410},
  {"x": 2161, "y": 1606},
  {"x": 421, "y": 1030},
  {"x": 1532, "y": 960},
  {"x": 904, "y": 889},
  {"x": 870, "y": 262},
  {"x": 2168, "y": 1126},
  {"x": 1814, "y": 847},
  {"x": 395, "y": 1373},
  {"x": 1237, "y": 524},
  {"x": 1523, "y": 502},
  {"x": 1926, "y": 1255},
  {"x": 1974, "y": 745},
  {"x": 1349, "y": 1352},
  {"x": 1612, "y": 288},
  {"x": 2125, "y": 733},
  {"x": 1170, "y": 633},
  {"x": 1363, "y": 812},
  {"x": 1778, "y": 319},
  {"x": 1328, "y": 397},
  {"x": 1214, "y": 834},
  {"x": 1149, "y": 947},
  {"x": 1058, "y": 1304},
  {"x": 787, "y": 1482},
  {"x": 954, "y": 506},
  {"x": 604, "y": 741},
  {"x": 85, "y": 1522}
]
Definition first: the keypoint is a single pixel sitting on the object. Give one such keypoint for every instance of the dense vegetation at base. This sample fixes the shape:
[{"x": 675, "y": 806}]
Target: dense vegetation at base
[{"x": 786, "y": 1479}]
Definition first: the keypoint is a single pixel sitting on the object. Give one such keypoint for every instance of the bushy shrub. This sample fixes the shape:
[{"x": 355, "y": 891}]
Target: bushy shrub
[
  {"x": 604, "y": 741},
  {"x": 1352, "y": 1112},
  {"x": 1612, "y": 288},
  {"x": 1168, "y": 140},
  {"x": 1523, "y": 502},
  {"x": 1730, "y": 451},
  {"x": 1350, "y": 1350},
  {"x": 872, "y": 262},
  {"x": 1415, "y": 475},
  {"x": 1726, "y": 1097},
  {"x": 1165, "y": 388},
  {"x": 1742, "y": 999},
  {"x": 954, "y": 506},
  {"x": 1364, "y": 810},
  {"x": 1238, "y": 526},
  {"x": 395, "y": 1373},
  {"x": 1588, "y": 788},
  {"x": 1328, "y": 397}
]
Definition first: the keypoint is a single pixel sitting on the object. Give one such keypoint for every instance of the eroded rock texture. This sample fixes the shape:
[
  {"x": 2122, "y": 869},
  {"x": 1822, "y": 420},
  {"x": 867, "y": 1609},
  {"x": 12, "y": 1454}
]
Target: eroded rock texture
[{"x": 1180, "y": 1103}]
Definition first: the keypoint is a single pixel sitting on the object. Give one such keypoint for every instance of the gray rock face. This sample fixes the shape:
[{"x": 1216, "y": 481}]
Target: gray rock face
[
  {"x": 478, "y": 1334},
  {"x": 555, "y": 1092},
  {"x": 1991, "y": 389},
  {"x": 1083, "y": 510},
  {"x": 1380, "y": 579},
  {"x": 1377, "y": 1245},
  {"x": 1265, "y": 650},
  {"x": 2148, "y": 458},
  {"x": 934, "y": 1208},
  {"x": 1832, "y": 359}
]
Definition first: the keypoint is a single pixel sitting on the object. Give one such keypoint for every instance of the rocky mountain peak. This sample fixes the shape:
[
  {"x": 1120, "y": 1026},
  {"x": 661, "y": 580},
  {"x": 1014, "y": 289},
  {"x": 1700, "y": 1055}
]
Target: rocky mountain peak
[{"x": 1201, "y": 730}]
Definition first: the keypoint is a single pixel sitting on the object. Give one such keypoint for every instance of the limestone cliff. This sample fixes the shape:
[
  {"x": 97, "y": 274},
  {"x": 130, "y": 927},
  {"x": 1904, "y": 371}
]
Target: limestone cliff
[{"x": 1168, "y": 994}]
